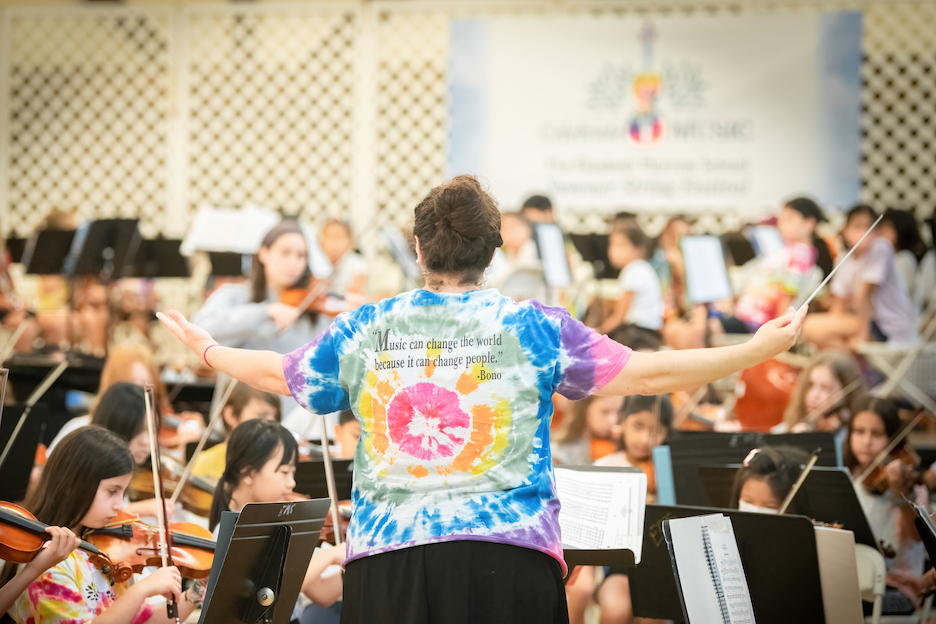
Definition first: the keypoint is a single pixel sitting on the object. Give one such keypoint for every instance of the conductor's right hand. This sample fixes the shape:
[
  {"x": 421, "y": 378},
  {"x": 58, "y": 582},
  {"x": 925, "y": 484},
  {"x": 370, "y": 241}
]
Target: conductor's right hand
[
  {"x": 283, "y": 315},
  {"x": 192, "y": 336}
]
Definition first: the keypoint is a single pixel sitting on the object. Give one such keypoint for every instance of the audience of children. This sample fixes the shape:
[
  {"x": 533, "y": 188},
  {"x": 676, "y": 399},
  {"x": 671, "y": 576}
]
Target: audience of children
[
  {"x": 870, "y": 300},
  {"x": 641, "y": 301}
]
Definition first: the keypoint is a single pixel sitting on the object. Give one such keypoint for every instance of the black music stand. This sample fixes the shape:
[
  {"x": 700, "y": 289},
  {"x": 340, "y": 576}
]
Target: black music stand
[
  {"x": 689, "y": 452},
  {"x": 594, "y": 248},
  {"x": 16, "y": 468},
  {"x": 779, "y": 558},
  {"x": 106, "y": 248},
  {"x": 226, "y": 264},
  {"x": 158, "y": 257},
  {"x": 46, "y": 251},
  {"x": 310, "y": 478},
  {"x": 261, "y": 558},
  {"x": 15, "y": 247},
  {"x": 827, "y": 495}
]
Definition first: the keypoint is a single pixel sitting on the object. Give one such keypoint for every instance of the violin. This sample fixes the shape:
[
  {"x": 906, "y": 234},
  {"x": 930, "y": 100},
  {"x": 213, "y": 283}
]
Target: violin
[
  {"x": 877, "y": 481},
  {"x": 133, "y": 545},
  {"x": 196, "y": 496},
  {"x": 22, "y": 537},
  {"x": 344, "y": 519}
]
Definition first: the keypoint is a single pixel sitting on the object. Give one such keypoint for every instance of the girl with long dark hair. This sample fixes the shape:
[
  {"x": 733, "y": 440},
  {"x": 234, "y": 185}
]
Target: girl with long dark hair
[{"x": 82, "y": 488}]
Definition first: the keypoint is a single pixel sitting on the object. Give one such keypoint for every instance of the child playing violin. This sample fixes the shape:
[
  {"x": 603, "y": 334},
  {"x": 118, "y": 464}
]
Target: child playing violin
[
  {"x": 82, "y": 487},
  {"x": 766, "y": 477},
  {"x": 881, "y": 496},
  {"x": 260, "y": 468}
]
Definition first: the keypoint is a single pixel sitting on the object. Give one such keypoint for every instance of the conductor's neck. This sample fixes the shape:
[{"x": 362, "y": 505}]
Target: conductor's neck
[{"x": 445, "y": 283}]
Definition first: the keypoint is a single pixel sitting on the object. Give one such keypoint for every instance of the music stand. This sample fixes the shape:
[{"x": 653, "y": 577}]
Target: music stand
[
  {"x": 107, "y": 247},
  {"x": 310, "y": 478},
  {"x": 158, "y": 257},
  {"x": 226, "y": 263},
  {"x": 778, "y": 554},
  {"x": 688, "y": 453},
  {"x": 261, "y": 558},
  {"x": 594, "y": 248},
  {"x": 46, "y": 250},
  {"x": 738, "y": 247},
  {"x": 16, "y": 468},
  {"x": 15, "y": 246},
  {"x": 827, "y": 495}
]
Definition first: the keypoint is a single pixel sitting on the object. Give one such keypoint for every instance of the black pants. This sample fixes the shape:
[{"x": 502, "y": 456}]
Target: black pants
[{"x": 460, "y": 582}]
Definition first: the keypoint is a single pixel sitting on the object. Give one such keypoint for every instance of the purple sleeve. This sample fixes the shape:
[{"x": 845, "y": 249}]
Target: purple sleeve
[
  {"x": 311, "y": 373},
  {"x": 587, "y": 359}
]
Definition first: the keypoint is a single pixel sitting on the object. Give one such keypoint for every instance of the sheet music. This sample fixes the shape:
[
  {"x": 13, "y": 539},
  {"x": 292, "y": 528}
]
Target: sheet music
[
  {"x": 711, "y": 576},
  {"x": 706, "y": 274},
  {"x": 228, "y": 229},
  {"x": 766, "y": 240},
  {"x": 602, "y": 508}
]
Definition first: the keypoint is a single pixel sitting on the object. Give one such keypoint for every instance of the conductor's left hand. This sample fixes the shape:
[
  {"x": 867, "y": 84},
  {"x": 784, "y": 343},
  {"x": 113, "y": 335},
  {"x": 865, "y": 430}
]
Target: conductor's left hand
[
  {"x": 192, "y": 336},
  {"x": 780, "y": 334}
]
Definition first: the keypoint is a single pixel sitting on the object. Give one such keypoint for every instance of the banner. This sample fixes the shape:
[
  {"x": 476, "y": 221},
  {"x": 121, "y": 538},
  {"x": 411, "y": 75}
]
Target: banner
[{"x": 681, "y": 113}]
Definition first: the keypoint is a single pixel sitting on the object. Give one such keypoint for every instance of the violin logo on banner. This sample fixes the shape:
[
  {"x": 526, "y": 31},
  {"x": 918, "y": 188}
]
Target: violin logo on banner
[{"x": 682, "y": 85}]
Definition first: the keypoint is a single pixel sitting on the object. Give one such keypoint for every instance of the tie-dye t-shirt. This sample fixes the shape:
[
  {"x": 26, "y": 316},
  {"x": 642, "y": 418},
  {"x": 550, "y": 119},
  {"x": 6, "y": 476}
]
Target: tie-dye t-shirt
[
  {"x": 454, "y": 396},
  {"x": 72, "y": 592}
]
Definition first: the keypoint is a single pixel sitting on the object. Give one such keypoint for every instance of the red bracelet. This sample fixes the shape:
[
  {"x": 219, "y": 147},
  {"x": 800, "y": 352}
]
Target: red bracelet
[{"x": 205, "y": 354}]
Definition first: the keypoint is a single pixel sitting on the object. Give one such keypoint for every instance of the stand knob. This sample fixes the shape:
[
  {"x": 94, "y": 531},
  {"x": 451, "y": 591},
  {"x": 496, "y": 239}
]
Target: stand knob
[{"x": 265, "y": 596}]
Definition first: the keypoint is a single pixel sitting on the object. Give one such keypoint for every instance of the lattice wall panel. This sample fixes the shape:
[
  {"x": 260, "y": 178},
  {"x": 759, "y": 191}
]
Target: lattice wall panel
[
  {"x": 87, "y": 100},
  {"x": 270, "y": 109},
  {"x": 899, "y": 107}
]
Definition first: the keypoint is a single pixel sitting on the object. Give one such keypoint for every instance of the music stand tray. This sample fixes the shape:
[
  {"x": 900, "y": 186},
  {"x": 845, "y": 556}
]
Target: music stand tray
[
  {"x": 310, "y": 478},
  {"x": 158, "y": 257},
  {"x": 45, "y": 252},
  {"x": 107, "y": 247},
  {"x": 261, "y": 558}
]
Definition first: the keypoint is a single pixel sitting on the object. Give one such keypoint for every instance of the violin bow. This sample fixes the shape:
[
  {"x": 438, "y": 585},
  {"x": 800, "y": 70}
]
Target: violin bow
[
  {"x": 37, "y": 394},
  {"x": 827, "y": 405},
  {"x": 898, "y": 438},
  {"x": 799, "y": 481},
  {"x": 330, "y": 480},
  {"x": 212, "y": 423},
  {"x": 841, "y": 262},
  {"x": 689, "y": 406},
  {"x": 165, "y": 540}
]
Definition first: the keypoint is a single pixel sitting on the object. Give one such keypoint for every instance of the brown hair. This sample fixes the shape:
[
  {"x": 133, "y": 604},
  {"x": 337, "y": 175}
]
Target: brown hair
[
  {"x": 243, "y": 394},
  {"x": 458, "y": 227},
  {"x": 888, "y": 412},
  {"x": 258, "y": 285},
  {"x": 845, "y": 370},
  {"x": 70, "y": 479},
  {"x": 573, "y": 428},
  {"x": 119, "y": 366},
  {"x": 629, "y": 229}
]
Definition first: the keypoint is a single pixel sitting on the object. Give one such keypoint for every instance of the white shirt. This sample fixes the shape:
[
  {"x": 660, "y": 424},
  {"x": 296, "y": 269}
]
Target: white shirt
[
  {"x": 925, "y": 289},
  {"x": 891, "y": 307},
  {"x": 646, "y": 308},
  {"x": 71, "y": 425}
]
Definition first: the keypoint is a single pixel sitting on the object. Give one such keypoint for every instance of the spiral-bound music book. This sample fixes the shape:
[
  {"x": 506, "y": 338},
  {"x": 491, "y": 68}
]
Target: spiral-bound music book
[{"x": 712, "y": 586}]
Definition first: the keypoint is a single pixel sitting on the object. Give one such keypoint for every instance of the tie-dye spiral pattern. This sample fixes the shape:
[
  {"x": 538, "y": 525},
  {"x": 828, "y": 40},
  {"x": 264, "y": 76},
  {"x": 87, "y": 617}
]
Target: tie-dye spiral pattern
[
  {"x": 72, "y": 592},
  {"x": 453, "y": 393}
]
